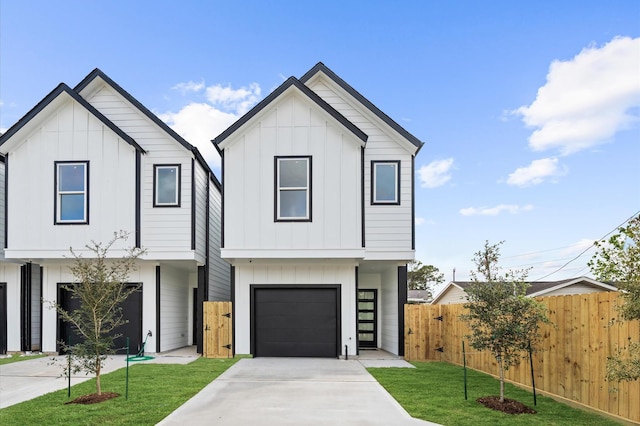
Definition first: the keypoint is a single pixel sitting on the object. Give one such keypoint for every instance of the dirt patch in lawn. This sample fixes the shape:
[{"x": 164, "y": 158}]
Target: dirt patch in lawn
[
  {"x": 509, "y": 406},
  {"x": 94, "y": 398}
]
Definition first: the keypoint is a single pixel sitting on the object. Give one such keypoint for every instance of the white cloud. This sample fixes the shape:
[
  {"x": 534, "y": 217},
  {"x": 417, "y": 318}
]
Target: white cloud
[
  {"x": 436, "y": 173},
  {"x": 198, "y": 123},
  {"x": 587, "y": 99},
  {"x": 237, "y": 101},
  {"x": 536, "y": 172},
  {"x": 419, "y": 220},
  {"x": 189, "y": 86},
  {"x": 494, "y": 211}
]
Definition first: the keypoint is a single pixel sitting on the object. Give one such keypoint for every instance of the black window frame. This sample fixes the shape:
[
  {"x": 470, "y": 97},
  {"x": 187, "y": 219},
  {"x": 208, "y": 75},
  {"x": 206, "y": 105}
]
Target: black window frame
[
  {"x": 178, "y": 202},
  {"x": 397, "y": 164},
  {"x": 277, "y": 189},
  {"x": 56, "y": 193}
]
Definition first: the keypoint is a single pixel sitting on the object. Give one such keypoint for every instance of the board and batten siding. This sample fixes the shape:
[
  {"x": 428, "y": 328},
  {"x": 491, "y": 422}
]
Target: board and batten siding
[
  {"x": 165, "y": 231},
  {"x": 10, "y": 274},
  {"x": 174, "y": 308},
  {"x": 201, "y": 175},
  {"x": 70, "y": 134},
  {"x": 389, "y": 308},
  {"x": 388, "y": 229},
  {"x": 219, "y": 269},
  {"x": 295, "y": 273},
  {"x": 293, "y": 126}
]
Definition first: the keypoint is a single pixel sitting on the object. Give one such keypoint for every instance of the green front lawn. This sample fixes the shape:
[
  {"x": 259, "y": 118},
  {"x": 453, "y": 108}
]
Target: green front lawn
[
  {"x": 155, "y": 390},
  {"x": 17, "y": 358},
  {"x": 434, "y": 391}
]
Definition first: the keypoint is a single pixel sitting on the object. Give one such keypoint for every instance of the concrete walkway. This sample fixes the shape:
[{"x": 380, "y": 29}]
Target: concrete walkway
[{"x": 294, "y": 391}]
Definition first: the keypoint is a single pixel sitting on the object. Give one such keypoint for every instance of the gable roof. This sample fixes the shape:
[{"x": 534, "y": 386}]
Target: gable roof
[
  {"x": 536, "y": 288},
  {"x": 62, "y": 90},
  {"x": 290, "y": 82},
  {"x": 322, "y": 68},
  {"x": 97, "y": 73}
]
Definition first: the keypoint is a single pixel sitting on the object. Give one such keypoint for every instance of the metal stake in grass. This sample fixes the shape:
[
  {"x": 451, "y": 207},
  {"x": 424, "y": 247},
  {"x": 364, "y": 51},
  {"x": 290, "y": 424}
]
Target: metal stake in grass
[
  {"x": 464, "y": 364},
  {"x": 126, "y": 388}
]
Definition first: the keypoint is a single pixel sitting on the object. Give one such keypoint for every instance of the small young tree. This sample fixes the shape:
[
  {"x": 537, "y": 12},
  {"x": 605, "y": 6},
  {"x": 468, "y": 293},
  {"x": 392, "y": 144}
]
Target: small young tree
[
  {"x": 618, "y": 261},
  {"x": 502, "y": 319},
  {"x": 423, "y": 277},
  {"x": 100, "y": 286}
]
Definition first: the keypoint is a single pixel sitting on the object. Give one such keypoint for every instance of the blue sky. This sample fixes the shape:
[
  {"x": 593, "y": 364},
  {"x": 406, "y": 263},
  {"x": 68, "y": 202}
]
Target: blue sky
[{"x": 530, "y": 111}]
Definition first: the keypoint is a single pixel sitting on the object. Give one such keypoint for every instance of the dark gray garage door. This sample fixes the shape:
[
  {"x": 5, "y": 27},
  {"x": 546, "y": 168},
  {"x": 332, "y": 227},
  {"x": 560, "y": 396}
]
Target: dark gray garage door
[
  {"x": 295, "y": 321},
  {"x": 131, "y": 310}
]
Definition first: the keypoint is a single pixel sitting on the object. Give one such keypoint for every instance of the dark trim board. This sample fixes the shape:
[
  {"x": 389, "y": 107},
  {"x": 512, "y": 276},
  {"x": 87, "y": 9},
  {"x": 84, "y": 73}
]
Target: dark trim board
[
  {"x": 158, "y": 308},
  {"x": 402, "y": 300},
  {"x": 295, "y": 320},
  {"x": 202, "y": 282},
  {"x": 3, "y": 318}
]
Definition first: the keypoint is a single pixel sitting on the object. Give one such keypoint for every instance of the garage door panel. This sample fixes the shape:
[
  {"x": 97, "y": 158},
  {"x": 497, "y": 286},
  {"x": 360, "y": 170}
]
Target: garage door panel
[{"x": 296, "y": 321}]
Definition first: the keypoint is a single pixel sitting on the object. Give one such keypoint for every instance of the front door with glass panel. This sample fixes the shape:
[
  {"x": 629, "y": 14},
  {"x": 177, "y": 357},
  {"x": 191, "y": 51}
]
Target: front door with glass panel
[{"x": 368, "y": 318}]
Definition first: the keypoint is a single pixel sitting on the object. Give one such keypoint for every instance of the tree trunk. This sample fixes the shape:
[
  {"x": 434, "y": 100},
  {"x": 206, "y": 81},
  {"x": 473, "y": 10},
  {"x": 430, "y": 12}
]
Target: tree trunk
[
  {"x": 98, "y": 387},
  {"x": 501, "y": 370}
]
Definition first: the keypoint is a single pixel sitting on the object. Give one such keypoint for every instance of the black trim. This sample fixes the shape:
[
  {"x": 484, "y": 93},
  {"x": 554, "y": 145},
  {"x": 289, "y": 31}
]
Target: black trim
[
  {"x": 402, "y": 300},
  {"x": 320, "y": 67},
  {"x": 337, "y": 287},
  {"x": 362, "y": 204},
  {"x": 6, "y": 201},
  {"x": 179, "y": 185},
  {"x": 291, "y": 81},
  {"x": 63, "y": 88},
  {"x": 201, "y": 298},
  {"x": 158, "y": 310},
  {"x": 373, "y": 180},
  {"x": 373, "y": 343},
  {"x": 413, "y": 202},
  {"x": 356, "y": 310},
  {"x": 222, "y": 169},
  {"x": 138, "y": 212},
  {"x": 56, "y": 220},
  {"x": 232, "y": 275},
  {"x": 3, "y": 318},
  {"x": 193, "y": 204},
  {"x": 25, "y": 308},
  {"x": 276, "y": 188}
]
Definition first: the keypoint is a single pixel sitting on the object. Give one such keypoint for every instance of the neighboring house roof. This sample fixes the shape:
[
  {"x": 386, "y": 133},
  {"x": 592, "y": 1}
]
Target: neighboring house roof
[
  {"x": 322, "y": 68},
  {"x": 55, "y": 95},
  {"x": 535, "y": 289},
  {"x": 290, "y": 82},
  {"x": 419, "y": 296},
  {"x": 97, "y": 73}
]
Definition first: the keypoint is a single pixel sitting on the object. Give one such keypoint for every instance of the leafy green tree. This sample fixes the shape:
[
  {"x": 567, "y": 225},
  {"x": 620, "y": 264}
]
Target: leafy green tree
[
  {"x": 501, "y": 318},
  {"x": 618, "y": 261},
  {"x": 100, "y": 285},
  {"x": 423, "y": 277}
]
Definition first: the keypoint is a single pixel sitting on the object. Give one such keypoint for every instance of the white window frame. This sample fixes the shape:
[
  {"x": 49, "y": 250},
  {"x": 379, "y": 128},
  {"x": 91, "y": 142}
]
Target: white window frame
[
  {"x": 59, "y": 194},
  {"x": 278, "y": 190},
  {"x": 374, "y": 182},
  {"x": 156, "y": 183}
]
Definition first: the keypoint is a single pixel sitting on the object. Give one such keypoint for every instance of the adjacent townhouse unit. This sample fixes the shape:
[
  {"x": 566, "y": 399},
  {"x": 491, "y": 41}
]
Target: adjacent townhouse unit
[
  {"x": 318, "y": 221},
  {"x": 454, "y": 291},
  {"x": 84, "y": 163}
]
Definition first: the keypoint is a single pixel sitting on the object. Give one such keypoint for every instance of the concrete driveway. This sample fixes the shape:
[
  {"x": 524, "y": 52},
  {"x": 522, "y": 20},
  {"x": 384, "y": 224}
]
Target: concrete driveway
[{"x": 293, "y": 391}]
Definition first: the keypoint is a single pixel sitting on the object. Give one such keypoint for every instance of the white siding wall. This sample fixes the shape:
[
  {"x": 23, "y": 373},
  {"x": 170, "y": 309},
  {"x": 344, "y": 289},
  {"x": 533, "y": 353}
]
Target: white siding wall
[
  {"x": 452, "y": 296},
  {"x": 387, "y": 228},
  {"x": 389, "y": 314},
  {"x": 166, "y": 232},
  {"x": 10, "y": 274},
  {"x": 290, "y": 273},
  {"x": 219, "y": 269},
  {"x": 292, "y": 126},
  {"x": 174, "y": 308},
  {"x": 71, "y": 133}
]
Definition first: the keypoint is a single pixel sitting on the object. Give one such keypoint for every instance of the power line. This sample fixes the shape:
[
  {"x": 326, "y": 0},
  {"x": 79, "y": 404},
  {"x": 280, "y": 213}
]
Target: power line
[{"x": 590, "y": 247}]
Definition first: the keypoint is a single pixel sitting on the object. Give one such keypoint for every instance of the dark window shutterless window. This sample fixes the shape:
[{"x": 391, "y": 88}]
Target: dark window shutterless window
[
  {"x": 293, "y": 188},
  {"x": 71, "y": 192},
  {"x": 166, "y": 185},
  {"x": 385, "y": 182}
]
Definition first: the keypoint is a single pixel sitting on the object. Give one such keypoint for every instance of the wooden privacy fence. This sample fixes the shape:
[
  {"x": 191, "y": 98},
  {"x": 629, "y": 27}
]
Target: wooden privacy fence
[
  {"x": 218, "y": 332},
  {"x": 570, "y": 362}
]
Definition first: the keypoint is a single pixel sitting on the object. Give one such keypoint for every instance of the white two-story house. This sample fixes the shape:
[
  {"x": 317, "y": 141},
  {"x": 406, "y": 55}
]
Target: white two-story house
[
  {"x": 84, "y": 163},
  {"x": 318, "y": 221}
]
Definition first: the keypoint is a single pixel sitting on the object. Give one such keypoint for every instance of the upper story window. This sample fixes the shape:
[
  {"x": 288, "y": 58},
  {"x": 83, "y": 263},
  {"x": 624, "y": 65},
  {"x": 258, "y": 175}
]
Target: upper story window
[
  {"x": 385, "y": 182},
  {"x": 293, "y": 188},
  {"x": 166, "y": 185},
  {"x": 72, "y": 192}
]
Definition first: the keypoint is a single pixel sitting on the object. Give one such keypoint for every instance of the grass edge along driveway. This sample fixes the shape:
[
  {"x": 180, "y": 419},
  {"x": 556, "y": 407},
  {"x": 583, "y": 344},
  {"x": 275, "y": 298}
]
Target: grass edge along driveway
[
  {"x": 155, "y": 390},
  {"x": 434, "y": 391},
  {"x": 18, "y": 358}
]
